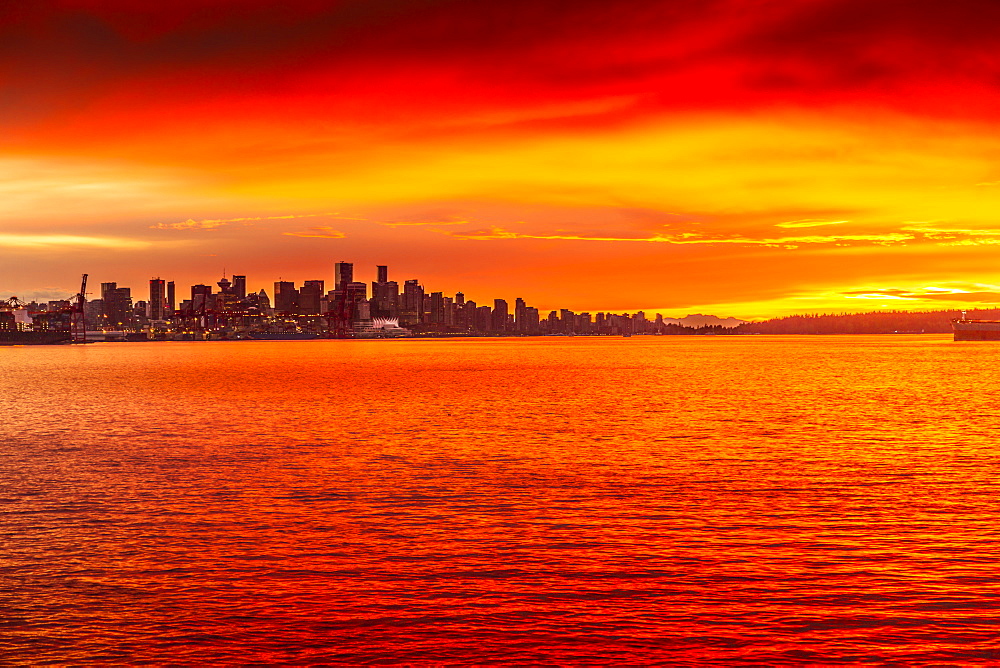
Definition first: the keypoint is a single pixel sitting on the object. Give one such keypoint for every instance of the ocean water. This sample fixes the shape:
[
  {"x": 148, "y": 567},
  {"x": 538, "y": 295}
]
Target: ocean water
[{"x": 678, "y": 500}]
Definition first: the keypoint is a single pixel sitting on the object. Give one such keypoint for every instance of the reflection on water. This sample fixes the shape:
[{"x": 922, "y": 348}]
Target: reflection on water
[{"x": 700, "y": 499}]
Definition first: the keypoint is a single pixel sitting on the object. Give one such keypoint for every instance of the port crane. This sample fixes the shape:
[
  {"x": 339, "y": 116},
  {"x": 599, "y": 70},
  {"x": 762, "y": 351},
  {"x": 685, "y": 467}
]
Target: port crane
[{"x": 78, "y": 323}]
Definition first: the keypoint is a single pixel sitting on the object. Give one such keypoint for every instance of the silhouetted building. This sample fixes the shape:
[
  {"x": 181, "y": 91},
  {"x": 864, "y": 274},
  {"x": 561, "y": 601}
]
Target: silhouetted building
[
  {"x": 385, "y": 295},
  {"x": 310, "y": 296},
  {"x": 240, "y": 287},
  {"x": 156, "y": 307},
  {"x": 201, "y": 297},
  {"x": 412, "y": 310},
  {"x": 117, "y": 306},
  {"x": 171, "y": 298},
  {"x": 343, "y": 273},
  {"x": 437, "y": 308},
  {"x": 499, "y": 315},
  {"x": 286, "y": 297}
]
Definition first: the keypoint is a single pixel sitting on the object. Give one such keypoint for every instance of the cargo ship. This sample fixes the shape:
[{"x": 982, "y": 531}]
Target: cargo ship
[{"x": 975, "y": 330}]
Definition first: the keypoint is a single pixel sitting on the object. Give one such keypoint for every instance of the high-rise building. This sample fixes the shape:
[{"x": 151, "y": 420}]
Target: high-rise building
[
  {"x": 499, "y": 315},
  {"x": 530, "y": 320},
  {"x": 519, "y": 321},
  {"x": 449, "y": 312},
  {"x": 310, "y": 296},
  {"x": 412, "y": 311},
  {"x": 116, "y": 304},
  {"x": 437, "y": 308},
  {"x": 240, "y": 287},
  {"x": 171, "y": 298},
  {"x": 156, "y": 308},
  {"x": 286, "y": 297},
  {"x": 343, "y": 273},
  {"x": 484, "y": 319},
  {"x": 567, "y": 320},
  {"x": 385, "y": 295},
  {"x": 201, "y": 297},
  {"x": 356, "y": 291}
]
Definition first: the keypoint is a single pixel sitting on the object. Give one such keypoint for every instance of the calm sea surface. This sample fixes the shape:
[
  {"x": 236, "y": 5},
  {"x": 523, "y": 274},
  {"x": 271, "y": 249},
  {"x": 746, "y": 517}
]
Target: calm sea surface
[{"x": 712, "y": 500}]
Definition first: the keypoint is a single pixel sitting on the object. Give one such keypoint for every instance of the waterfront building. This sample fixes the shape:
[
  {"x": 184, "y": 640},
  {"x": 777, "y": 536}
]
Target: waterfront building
[
  {"x": 499, "y": 315},
  {"x": 530, "y": 320},
  {"x": 484, "y": 319},
  {"x": 437, "y": 308},
  {"x": 343, "y": 273},
  {"x": 310, "y": 296},
  {"x": 156, "y": 308},
  {"x": 385, "y": 295},
  {"x": 412, "y": 311},
  {"x": 286, "y": 298},
  {"x": 117, "y": 306},
  {"x": 519, "y": 320},
  {"x": 240, "y": 287},
  {"x": 449, "y": 313},
  {"x": 171, "y": 298}
]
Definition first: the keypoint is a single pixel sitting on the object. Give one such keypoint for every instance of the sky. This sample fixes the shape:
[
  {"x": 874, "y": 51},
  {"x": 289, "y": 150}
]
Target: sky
[{"x": 735, "y": 157}]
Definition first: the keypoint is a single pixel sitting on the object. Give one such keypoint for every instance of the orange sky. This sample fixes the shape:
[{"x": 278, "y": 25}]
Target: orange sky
[{"x": 735, "y": 157}]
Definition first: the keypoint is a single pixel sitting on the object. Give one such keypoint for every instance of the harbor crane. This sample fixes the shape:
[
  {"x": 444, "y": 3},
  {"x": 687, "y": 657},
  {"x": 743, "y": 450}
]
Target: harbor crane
[{"x": 78, "y": 324}]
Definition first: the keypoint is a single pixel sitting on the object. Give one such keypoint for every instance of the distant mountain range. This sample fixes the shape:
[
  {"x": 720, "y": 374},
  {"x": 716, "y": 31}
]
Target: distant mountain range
[{"x": 700, "y": 320}]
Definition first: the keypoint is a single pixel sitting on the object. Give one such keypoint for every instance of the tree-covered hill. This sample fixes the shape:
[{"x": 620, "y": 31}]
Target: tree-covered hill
[{"x": 875, "y": 322}]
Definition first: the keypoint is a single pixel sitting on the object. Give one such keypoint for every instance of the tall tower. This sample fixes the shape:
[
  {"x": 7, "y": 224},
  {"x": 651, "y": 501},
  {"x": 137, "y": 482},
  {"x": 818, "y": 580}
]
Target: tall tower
[
  {"x": 201, "y": 297},
  {"x": 343, "y": 273},
  {"x": 156, "y": 308},
  {"x": 412, "y": 311},
  {"x": 286, "y": 297},
  {"x": 385, "y": 295},
  {"x": 519, "y": 310},
  {"x": 171, "y": 298},
  {"x": 240, "y": 287},
  {"x": 499, "y": 315},
  {"x": 310, "y": 296}
]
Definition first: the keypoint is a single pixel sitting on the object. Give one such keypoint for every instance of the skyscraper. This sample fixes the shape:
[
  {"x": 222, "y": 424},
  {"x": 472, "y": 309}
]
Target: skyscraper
[
  {"x": 309, "y": 297},
  {"x": 116, "y": 304},
  {"x": 519, "y": 319},
  {"x": 286, "y": 297},
  {"x": 343, "y": 273},
  {"x": 156, "y": 308},
  {"x": 499, "y": 315},
  {"x": 171, "y": 298},
  {"x": 437, "y": 308},
  {"x": 413, "y": 303},
  {"x": 240, "y": 287},
  {"x": 201, "y": 297},
  {"x": 385, "y": 295}
]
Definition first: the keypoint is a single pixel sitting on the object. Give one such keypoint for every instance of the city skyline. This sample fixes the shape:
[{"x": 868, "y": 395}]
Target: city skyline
[
  {"x": 348, "y": 310},
  {"x": 725, "y": 157}
]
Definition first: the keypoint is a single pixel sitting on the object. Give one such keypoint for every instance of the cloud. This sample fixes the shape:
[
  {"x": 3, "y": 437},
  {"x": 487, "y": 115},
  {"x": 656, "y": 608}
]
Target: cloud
[
  {"x": 435, "y": 223},
  {"x": 191, "y": 224},
  {"x": 67, "y": 241},
  {"x": 810, "y": 223},
  {"x": 322, "y": 232},
  {"x": 494, "y": 233},
  {"x": 945, "y": 236},
  {"x": 971, "y": 294}
]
